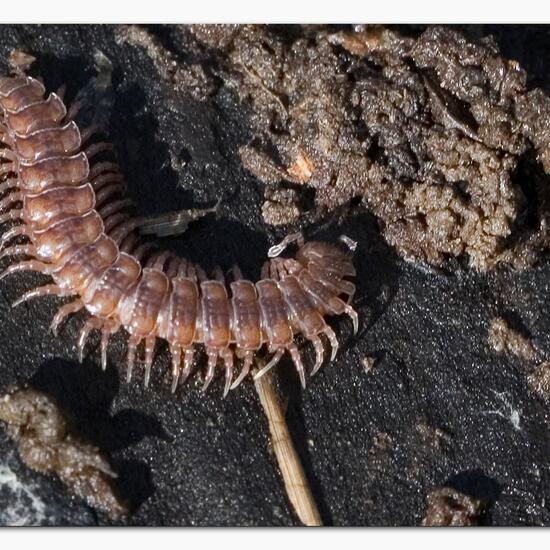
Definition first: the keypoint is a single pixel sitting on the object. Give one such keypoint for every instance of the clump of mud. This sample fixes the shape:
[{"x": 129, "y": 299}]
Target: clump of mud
[
  {"x": 438, "y": 135},
  {"x": 49, "y": 444},
  {"x": 538, "y": 380},
  {"x": 447, "y": 507},
  {"x": 184, "y": 77},
  {"x": 504, "y": 339}
]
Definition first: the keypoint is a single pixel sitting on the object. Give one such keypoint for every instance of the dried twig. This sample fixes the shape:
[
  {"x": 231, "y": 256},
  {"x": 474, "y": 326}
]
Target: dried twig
[{"x": 296, "y": 484}]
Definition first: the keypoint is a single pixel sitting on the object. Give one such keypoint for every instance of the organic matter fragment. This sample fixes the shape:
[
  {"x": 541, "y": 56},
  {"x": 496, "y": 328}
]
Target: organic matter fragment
[
  {"x": 448, "y": 507},
  {"x": 380, "y": 453},
  {"x": 504, "y": 339},
  {"x": 49, "y": 444},
  {"x": 438, "y": 135},
  {"x": 368, "y": 364},
  {"x": 539, "y": 380},
  {"x": 430, "y": 435},
  {"x": 186, "y": 78},
  {"x": 281, "y": 207}
]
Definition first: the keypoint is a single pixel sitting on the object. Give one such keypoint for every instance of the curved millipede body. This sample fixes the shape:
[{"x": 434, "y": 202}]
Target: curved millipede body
[{"x": 70, "y": 211}]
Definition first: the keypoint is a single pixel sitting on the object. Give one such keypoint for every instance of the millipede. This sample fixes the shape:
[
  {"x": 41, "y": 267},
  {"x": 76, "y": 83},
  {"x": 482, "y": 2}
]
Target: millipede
[{"x": 70, "y": 221}]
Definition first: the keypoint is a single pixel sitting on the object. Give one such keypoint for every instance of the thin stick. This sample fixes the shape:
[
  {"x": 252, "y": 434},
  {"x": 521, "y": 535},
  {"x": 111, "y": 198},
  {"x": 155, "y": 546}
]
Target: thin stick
[{"x": 295, "y": 481}]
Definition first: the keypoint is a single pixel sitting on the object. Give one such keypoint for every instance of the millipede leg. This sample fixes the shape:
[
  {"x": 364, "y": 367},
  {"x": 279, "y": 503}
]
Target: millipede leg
[
  {"x": 8, "y": 154},
  {"x": 10, "y": 200},
  {"x": 187, "y": 364},
  {"x": 18, "y": 250},
  {"x": 149, "y": 354},
  {"x": 64, "y": 311},
  {"x": 319, "y": 354},
  {"x": 273, "y": 271},
  {"x": 217, "y": 274},
  {"x": 112, "y": 222},
  {"x": 101, "y": 168},
  {"x": 27, "y": 265},
  {"x": 87, "y": 133},
  {"x": 61, "y": 91},
  {"x": 200, "y": 273},
  {"x": 129, "y": 243},
  {"x": 210, "y": 369},
  {"x": 349, "y": 290},
  {"x": 172, "y": 266},
  {"x": 228, "y": 363},
  {"x": 93, "y": 323},
  {"x": 124, "y": 229},
  {"x": 6, "y": 168},
  {"x": 192, "y": 272},
  {"x": 108, "y": 191},
  {"x": 108, "y": 329},
  {"x": 157, "y": 260},
  {"x": 176, "y": 366},
  {"x": 114, "y": 207},
  {"x": 101, "y": 181},
  {"x": 8, "y": 185},
  {"x": 354, "y": 318},
  {"x": 96, "y": 148},
  {"x": 236, "y": 273},
  {"x": 46, "y": 290},
  {"x": 133, "y": 343},
  {"x": 281, "y": 270},
  {"x": 17, "y": 231},
  {"x": 181, "y": 267},
  {"x": 74, "y": 109},
  {"x": 272, "y": 362},
  {"x": 247, "y": 365},
  {"x": 297, "y": 359},
  {"x": 333, "y": 341},
  {"x": 12, "y": 215},
  {"x": 142, "y": 250}
]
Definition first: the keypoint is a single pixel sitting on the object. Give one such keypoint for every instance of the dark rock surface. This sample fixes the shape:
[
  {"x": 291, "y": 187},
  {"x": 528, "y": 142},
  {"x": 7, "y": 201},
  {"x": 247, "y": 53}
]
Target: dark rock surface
[{"x": 439, "y": 408}]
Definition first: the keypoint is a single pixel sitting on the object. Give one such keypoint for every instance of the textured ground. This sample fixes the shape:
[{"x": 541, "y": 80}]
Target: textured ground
[{"x": 439, "y": 407}]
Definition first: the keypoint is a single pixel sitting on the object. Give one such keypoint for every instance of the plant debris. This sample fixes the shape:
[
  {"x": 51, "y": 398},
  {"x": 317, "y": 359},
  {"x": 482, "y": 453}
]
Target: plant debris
[
  {"x": 438, "y": 135},
  {"x": 49, "y": 444},
  {"x": 368, "y": 364},
  {"x": 20, "y": 60},
  {"x": 447, "y": 507}
]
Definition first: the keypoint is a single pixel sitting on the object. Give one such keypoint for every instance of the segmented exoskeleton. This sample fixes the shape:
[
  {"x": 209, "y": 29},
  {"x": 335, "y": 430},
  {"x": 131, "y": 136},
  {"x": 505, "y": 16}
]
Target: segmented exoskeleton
[{"x": 71, "y": 210}]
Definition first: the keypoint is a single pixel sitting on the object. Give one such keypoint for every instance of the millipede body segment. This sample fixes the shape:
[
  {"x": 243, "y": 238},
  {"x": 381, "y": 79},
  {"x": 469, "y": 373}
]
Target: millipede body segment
[{"x": 71, "y": 218}]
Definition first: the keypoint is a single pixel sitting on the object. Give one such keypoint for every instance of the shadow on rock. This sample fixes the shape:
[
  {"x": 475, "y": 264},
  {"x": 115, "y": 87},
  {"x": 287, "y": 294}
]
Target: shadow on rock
[
  {"x": 478, "y": 485},
  {"x": 376, "y": 265},
  {"x": 87, "y": 394}
]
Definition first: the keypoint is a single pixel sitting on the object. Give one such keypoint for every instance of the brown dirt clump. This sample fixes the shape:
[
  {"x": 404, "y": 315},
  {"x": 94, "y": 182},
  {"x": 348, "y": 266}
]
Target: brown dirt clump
[
  {"x": 438, "y": 135},
  {"x": 49, "y": 444},
  {"x": 504, "y": 339},
  {"x": 380, "y": 453},
  {"x": 368, "y": 364},
  {"x": 447, "y": 507},
  {"x": 280, "y": 208},
  {"x": 430, "y": 435},
  {"x": 183, "y": 77},
  {"x": 538, "y": 380}
]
